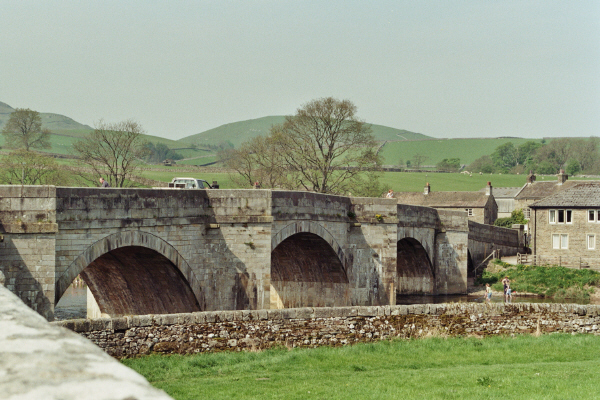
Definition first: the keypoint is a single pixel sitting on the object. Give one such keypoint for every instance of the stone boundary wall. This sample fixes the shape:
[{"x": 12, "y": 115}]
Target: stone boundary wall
[
  {"x": 312, "y": 327},
  {"x": 40, "y": 361}
]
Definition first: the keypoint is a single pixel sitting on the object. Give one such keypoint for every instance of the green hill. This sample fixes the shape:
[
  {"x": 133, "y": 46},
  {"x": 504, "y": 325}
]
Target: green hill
[
  {"x": 241, "y": 131},
  {"x": 55, "y": 122},
  {"x": 468, "y": 150}
]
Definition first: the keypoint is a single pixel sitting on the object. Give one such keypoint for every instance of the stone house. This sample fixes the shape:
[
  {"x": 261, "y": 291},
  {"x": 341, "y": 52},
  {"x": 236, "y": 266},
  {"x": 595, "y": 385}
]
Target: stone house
[
  {"x": 479, "y": 206},
  {"x": 505, "y": 200},
  {"x": 534, "y": 191},
  {"x": 565, "y": 227}
]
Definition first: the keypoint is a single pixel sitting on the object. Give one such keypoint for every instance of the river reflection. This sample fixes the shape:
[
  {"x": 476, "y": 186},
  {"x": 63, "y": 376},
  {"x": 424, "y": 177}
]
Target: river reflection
[{"x": 73, "y": 304}]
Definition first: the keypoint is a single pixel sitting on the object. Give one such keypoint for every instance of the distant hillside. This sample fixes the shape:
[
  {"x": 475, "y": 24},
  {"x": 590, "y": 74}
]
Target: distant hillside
[
  {"x": 66, "y": 131},
  {"x": 468, "y": 150},
  {"x": 239, "y": 132},
  {"x": 55, "y": 122}
]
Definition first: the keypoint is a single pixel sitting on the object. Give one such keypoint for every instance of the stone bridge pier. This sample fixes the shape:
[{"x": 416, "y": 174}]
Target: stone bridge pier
[{"x": 157, "y": 251}]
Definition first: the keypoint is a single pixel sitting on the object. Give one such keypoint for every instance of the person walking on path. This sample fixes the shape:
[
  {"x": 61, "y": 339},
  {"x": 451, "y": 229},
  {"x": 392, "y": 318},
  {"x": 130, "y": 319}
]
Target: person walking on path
[
  {"x": 103, "y": 183},
  {"x": 488, "y": 293}
]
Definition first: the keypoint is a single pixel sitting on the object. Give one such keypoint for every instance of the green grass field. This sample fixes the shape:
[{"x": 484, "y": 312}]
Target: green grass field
[
  {"x": 524, "y": 367},
  {"x": 398, "y": 181},
  {"x": 415, "y": 181},
  {"x": 468, "y": 150}
]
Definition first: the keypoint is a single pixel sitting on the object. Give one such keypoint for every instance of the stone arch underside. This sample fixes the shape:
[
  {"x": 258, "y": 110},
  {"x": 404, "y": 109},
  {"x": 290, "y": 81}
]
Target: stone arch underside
[
  {"x": 307, "y": 270},
  {"x": 414, "y": 269},
  {"x": 470, "y": 266},
  {"x": 134, "y": 280},
  {"x": 134, "y": 273}
]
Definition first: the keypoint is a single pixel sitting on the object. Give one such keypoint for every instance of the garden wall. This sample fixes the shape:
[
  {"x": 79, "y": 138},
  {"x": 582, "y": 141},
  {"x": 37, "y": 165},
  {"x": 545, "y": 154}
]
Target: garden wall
[{"x": 312, "y": 327}]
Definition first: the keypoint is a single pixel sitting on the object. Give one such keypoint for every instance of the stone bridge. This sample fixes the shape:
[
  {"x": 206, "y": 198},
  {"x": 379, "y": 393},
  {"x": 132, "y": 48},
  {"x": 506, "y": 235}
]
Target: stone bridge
[{"x": 157, "y": 251}]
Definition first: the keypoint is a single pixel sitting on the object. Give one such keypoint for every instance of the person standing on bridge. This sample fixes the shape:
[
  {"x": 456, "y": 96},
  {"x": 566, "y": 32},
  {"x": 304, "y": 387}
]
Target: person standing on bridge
[
  {"x": 390, "y": 194},
  {"x": 103, "y": 183}
]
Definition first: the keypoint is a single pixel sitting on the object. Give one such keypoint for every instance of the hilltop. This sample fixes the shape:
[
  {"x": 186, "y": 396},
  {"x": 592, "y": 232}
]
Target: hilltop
[
  {"x": 200, "y": 149},
  {"x": 238, "y": 132},
  {"x": 55, "y": 122}
]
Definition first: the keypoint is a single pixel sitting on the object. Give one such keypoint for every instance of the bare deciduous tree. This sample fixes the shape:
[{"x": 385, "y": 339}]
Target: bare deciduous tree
[
  {"x": 24, "y": 167},
  {"x": 325, "y": 147},
  {"x": 113, "y": 150},
  {"x": 419, "y": 159},
  {"x": 24, "y": 131},
  {"x": 257, "y": 161},
  {"x": 322, "y": 148}
]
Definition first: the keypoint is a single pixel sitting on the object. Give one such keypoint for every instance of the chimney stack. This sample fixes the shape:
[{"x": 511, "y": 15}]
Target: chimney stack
[
  {"x": 562, "y": 177},
  {"x": 530, "y": 177},
  {"x": 427, "y": 189},
  {"x": 488, "y": 189}
]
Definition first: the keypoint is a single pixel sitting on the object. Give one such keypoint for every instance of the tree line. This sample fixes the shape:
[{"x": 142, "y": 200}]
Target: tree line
[{"x": 575, "y": 155}]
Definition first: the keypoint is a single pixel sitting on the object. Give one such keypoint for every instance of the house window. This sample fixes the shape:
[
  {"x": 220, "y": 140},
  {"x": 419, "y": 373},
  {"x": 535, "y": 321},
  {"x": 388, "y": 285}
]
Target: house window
[
  {"x": 469, "y": 211},
  {"x": 560, "y": 241},
  {"x": 591, "y": 215},
  {"x": 591, "y": 242},
  {"x": 527, "y": 213},
  {"x": 560, "y": 216}
]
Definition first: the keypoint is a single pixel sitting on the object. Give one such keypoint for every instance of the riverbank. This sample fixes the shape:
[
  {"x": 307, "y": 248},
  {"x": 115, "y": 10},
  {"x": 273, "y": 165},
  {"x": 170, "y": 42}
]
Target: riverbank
[{"x": 551, "y": 282}]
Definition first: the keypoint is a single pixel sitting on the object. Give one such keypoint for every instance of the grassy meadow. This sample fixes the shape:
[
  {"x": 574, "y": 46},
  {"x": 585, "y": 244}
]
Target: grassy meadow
[
  {"x": 398, "y": 181},
  {"x": 556, "y": 366},
  {"x": 415, "y": 181},
  {"x": 468, "y": 150}
]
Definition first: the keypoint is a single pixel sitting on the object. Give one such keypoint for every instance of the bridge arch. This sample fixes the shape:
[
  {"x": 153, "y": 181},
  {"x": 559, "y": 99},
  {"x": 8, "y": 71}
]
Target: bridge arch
[
  {"x": 415, "y": 272},
  {"x": 308, "y": 268},
  {"x": 143, "y": 250}
]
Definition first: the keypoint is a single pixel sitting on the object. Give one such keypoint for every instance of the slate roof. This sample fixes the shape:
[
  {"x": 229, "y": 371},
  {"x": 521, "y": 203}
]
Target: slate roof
[
  {"x": 541, "y": 189},
  {"x": 504, "y": 192},
  {"x": 443, "y": 199},
  {"x": 581, "y": 195}
]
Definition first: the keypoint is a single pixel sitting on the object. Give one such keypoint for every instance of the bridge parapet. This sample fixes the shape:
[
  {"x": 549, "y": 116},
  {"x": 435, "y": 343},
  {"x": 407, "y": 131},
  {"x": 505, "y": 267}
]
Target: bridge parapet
[{"x": 483, "y": 239}]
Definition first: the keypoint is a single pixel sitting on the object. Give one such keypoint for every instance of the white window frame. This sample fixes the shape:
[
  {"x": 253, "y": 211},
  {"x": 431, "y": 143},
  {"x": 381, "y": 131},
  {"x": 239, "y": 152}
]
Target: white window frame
[
  {"x": 562, "y": 241},
  {"x": 591, "y": 236},
  {"x": 527, "y": 213},
  {"x": 554, "y": 216},
  {"x": 591, "y": 213},
  {"x": 469, "y": 212}
]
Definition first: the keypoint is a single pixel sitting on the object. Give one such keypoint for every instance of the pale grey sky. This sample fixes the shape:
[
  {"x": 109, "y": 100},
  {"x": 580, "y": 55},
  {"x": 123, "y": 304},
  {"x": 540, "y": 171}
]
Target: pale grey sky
[{"x": 443, "y": 68}]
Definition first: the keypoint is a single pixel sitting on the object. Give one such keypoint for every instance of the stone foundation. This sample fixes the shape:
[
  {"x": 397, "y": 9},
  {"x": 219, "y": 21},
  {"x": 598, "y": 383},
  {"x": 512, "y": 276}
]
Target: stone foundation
[{"x": 312, "y": 327}]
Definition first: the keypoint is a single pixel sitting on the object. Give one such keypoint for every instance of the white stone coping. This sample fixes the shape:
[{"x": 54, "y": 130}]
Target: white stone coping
[{"x": 41, "y": 361}]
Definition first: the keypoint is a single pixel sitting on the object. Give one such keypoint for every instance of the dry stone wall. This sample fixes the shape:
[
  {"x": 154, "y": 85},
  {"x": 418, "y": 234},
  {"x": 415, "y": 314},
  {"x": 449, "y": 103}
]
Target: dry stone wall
[{"x": 312, "y": 327}]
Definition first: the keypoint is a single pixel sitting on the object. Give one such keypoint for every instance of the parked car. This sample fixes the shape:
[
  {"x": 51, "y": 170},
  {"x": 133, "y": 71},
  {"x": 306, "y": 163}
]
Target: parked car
[{"x": 189, "y": 183}]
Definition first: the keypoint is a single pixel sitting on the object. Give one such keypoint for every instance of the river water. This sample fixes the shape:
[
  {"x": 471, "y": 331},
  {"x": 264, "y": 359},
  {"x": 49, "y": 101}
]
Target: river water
[{"x": 73, "y": 304}]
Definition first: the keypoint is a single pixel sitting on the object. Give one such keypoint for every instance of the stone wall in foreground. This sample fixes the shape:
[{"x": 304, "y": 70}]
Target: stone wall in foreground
[
  {"x": 312, "y": 327},
  {"x": 40, "y": 361}
]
